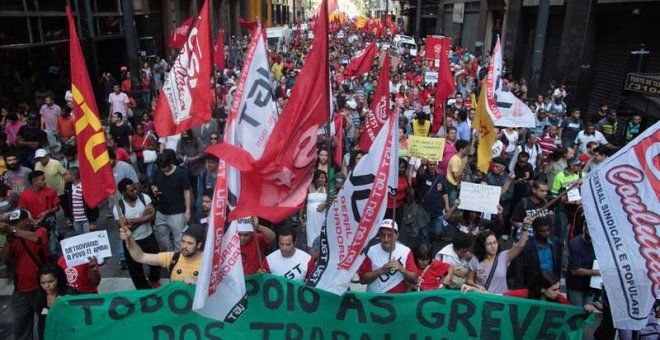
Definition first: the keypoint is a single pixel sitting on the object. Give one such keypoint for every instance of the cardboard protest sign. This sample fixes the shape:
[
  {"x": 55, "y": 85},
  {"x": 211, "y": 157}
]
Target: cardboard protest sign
[
  {"x": 282, "y": 309},
  {"x": 76, "y": 249},
  {"x": 426, "y": 147},
  {"x": 479, "y": 197}
]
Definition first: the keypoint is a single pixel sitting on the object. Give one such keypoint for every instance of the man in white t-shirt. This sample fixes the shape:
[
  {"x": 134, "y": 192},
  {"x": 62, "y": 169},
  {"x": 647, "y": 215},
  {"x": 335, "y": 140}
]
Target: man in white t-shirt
[
  {"x": 287, "y": 261},
  {"x": 589, "y": 134},
  {"x": 137, "y": 213},
  {"x": 118, "y": 101},
  {"x": 389, "y": 264}
]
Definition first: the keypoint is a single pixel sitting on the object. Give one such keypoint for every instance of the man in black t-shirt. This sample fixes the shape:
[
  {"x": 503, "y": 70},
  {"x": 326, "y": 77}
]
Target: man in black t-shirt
[
  {"x": 120, "y": 130},
  {"x": 529, "y": 205},
  {"x": 29, "y": 138},
  {"x": 174, "y": 194},
  {"x": 432, "y": 194}
]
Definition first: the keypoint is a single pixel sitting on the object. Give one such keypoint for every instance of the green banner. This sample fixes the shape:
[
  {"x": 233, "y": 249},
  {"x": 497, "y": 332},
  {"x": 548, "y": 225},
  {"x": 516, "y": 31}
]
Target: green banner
[{"x": 282, "y": 309}]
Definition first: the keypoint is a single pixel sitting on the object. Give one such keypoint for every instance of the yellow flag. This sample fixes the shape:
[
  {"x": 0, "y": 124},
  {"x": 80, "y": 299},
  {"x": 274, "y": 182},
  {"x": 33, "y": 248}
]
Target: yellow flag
[{"x": 486, "y": 130}]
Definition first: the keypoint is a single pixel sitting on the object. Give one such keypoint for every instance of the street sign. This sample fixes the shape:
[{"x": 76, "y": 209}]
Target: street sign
[{"x": 645, "y": 83}]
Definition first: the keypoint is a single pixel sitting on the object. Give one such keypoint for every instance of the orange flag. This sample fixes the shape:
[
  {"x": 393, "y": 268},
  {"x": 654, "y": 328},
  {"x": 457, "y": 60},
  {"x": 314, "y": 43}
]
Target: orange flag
[{"x": 98, "y": 182}]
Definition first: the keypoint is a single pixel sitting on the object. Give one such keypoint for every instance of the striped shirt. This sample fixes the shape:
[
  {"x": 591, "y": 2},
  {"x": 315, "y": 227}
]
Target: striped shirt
[
  {"x": 547, "y": 144},
  {"x": 77, "y": 205}
]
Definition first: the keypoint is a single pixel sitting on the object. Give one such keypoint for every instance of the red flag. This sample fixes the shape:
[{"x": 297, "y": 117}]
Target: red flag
[
  {"x": 371, "y": 24},
  {"x": 186, "y": 97},
  {"x": 380, "y": 107},
  {"x": 338, "y": 152},
  {"x": 250, "y": 25},
  {"x": 98, "y": 182},
  {"x": 219, "y": 51},
  {"x": 275, "y": 185},
  {"x": 181, "y": 34},
  {"x": 299, "y": 32},
  {"x": 446, "y": 84},
  {"x": 362, "y": 63},
  {"x": 391, "y": 25}
]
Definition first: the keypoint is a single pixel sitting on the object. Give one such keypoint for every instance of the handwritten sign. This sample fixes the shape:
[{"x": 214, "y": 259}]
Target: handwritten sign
[
  {"x": 76, "y": 249},
  {"x": 479, "y": 197},
  {"x": 431, "y": 77},
  {"x": 573, "y": 195},
  {"x": 426, "y": 147}
]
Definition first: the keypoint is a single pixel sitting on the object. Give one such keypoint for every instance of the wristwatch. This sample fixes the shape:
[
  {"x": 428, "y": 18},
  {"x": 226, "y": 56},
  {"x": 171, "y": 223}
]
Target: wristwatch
[{"x": 14, "y": 231}]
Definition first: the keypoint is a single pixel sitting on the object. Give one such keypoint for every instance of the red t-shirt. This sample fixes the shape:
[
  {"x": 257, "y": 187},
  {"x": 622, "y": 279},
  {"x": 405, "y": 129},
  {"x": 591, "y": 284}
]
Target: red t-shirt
[
  {"x": 400, "y": 194},
  {"x": 433, "y": 277},
  {"x": 78, "y": 277},
  {"x": 38, "y": 202},
  {"x": 249, "y": 254},
  {"x": 26, "y": 269},
  {"x": 524, "y": 293}
]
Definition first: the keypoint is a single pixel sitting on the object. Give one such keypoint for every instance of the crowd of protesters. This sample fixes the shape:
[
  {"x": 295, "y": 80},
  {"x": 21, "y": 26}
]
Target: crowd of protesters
[{"x": 165, "y": 185}]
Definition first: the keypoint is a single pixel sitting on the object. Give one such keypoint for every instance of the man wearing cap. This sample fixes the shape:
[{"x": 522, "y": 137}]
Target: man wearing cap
[
  {"x": 29, "y": 138},
  {"x": 26, "y": 248},
  {"x": 42, "y": 202},
  {"x": 287, "y": 261},
  {"x": 53, "y": 170},
  {"x": 389, "y": 264},
  {"x": 251, "y": 232},
  {"x": 183, "y": 265}
]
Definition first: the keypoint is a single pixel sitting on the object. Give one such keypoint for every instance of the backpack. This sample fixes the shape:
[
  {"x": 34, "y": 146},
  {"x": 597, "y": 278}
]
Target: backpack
[
  {"x": 175, "y": 259},
  {"x": 122, "y": 205}
]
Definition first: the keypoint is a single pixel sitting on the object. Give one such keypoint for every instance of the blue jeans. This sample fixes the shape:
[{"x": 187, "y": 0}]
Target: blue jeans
[{"x": 435, "y": 229}]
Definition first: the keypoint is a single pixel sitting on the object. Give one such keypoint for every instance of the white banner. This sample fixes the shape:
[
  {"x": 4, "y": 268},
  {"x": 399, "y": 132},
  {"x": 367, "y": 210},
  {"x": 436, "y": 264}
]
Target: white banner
[
  {"x": 221, "y": 293},
  {"x": 77, "y": 249},
  {"x": 352, "y": 221},
  {"x": 620, "y": 200},
  {"x": 479, "y": 197},
  {"x": 431, "y": 77},
  {"x": 504, "y": 108}
]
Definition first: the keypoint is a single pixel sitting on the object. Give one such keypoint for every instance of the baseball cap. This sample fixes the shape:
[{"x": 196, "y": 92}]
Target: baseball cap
[
  {"x": 389, "y": 224},
  {"x": 18, "y": 215},
  {"x": 574, "y": 161},
  {"x": 352, "y": 104},
  {"x": 196, "y": 232},
  {"x": 40, "y": 153}
]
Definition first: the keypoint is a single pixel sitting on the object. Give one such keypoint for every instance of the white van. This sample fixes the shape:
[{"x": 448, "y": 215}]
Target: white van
[
  {"x": 406, "y": 41},
  {"x": 278, "y": 36}
]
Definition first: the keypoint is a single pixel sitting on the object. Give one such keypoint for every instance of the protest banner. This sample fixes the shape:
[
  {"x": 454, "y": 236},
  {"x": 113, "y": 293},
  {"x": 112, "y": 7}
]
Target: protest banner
[
  {"x": 431, "y": 77},
  {"x": 283, "y": 309},
  {"x": 479, "y": 197},
  {"x": 76, "y": 249},
  {"x": 620, "y": 200},
  {"x": 429, "y": 148}
]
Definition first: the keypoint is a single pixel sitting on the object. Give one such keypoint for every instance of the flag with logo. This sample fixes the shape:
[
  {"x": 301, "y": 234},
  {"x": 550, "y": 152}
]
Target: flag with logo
[
  {"x": 504, "y": 108},
  {"x": 185, "y": 99},
  {"x": 220, "y": 291},
  {"x": 446, "y": 84},
  {"x": 353, "y": 219},
  {"x": 620, "y": 199},
  {"x": 179, "y": 36},
  {"x": 275, "y": 186},
  {"x": 96, "y": 176},
  {"x": 380, "y": 107},
  {"x": 486, "y": 131}
]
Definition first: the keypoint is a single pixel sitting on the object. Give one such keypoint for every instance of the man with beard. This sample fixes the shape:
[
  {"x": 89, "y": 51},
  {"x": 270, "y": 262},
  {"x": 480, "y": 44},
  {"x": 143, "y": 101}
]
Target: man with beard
[
  {"x": 389, "y": 264},
  {"x": 287, "y": 261},
  {"x": 29, "y": 138},
  {"x": 16, "y": 176},
  {"x": 183, "y": 265}
]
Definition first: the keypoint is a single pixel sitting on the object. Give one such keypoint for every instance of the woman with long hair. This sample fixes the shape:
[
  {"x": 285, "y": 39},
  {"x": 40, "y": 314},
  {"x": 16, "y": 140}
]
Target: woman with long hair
[
  {"x": 488, "y": 267},
  {"x": 323, "y": 164},
  {"x": 52, "y": 280},
  {"x": 314, "y": 214},
  {"x": 543, "y": 286}
]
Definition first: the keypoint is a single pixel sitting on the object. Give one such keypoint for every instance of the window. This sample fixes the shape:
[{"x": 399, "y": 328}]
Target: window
[
  {"x": 14, "y": 31},
  {"x": 51, "y": 5},
  {"x": 54, "y": 28},
  {"x": 11, "y": 5},
  {"x": 108, "y": 25}
]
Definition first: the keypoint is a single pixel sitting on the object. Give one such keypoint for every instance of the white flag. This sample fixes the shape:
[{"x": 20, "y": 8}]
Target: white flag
[
  {"x": 620, "y": 200},
  {"x": 356, "y": 213},
  {"x": 221, "y": 293},
  {"x": 503, "y": 106}
]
